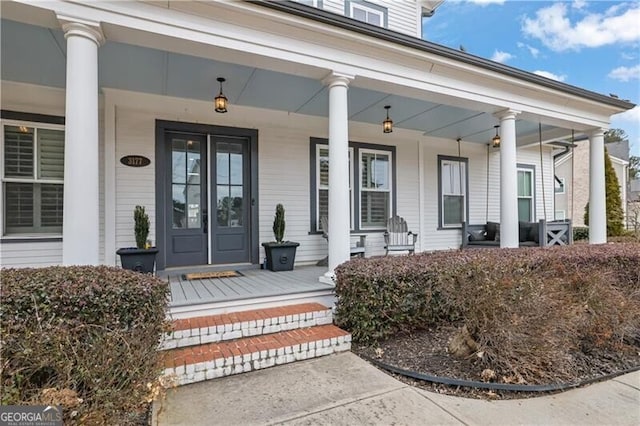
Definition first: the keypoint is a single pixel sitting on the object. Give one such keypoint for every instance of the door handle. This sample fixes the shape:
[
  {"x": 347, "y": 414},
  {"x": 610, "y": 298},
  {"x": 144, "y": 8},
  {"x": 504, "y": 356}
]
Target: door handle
[{"x": 205, "y": 221}]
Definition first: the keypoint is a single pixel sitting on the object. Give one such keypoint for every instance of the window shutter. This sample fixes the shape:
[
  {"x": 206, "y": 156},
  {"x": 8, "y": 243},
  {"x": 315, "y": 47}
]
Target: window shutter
[
  {"x": 18, "y": 205},
  {"x": 50, "y": 154},
  {"x": 18, "y": 151},
  {"x": 51, "y": 197}
]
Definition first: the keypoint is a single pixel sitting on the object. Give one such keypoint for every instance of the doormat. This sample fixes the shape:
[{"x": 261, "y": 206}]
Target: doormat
[{"x": 211, "y": 274}]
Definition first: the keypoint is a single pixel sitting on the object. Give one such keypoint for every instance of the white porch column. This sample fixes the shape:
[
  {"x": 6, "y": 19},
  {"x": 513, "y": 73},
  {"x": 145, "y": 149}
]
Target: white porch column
[
  {"x": 80, "y": 229},
  {"x": 508, "y": 179},
  {"x": 339, "y": 212},
  {"x": 597, "y": 192}
]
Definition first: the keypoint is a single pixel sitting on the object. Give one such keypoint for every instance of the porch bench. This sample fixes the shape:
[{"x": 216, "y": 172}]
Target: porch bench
[
  {"x": 531, "y": 234},
  {"x": 487, "y": 235}
]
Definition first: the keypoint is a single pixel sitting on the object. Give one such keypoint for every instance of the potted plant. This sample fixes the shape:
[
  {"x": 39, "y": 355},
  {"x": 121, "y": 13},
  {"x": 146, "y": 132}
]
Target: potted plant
[
  {"x": 143, "y": 257},
  {"x": 280, "y": 254}
]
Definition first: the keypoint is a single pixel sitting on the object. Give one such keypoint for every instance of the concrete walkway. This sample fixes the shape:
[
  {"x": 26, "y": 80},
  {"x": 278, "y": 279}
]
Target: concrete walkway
[{"x": 346, "y": 390}]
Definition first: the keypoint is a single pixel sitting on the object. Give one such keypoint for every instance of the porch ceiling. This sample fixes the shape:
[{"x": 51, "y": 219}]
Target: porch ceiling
[{"x": 33, "y": 54}]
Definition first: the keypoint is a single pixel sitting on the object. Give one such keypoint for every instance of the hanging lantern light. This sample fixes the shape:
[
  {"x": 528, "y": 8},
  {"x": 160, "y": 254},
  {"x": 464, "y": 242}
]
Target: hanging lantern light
[
  {"x": 495, "y": 142},
  {"x": 221, "y": 100},
  {"x": 387, "y": 124}
]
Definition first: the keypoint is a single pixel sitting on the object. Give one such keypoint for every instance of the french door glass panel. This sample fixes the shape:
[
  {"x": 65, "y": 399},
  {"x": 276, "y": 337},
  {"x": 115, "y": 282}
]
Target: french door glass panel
[
  {"x": 186, "y": 184},
  {"x": 230, "y": 187}
]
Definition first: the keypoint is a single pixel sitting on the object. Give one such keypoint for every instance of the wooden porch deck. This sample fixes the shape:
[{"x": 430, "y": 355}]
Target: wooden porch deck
[{"x": 254, "y": 284}]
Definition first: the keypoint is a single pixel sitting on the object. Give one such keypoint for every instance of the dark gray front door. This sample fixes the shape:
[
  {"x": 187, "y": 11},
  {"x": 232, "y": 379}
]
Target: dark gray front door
[
  {"x": 231, "y": 199},
  {"x": 186, "y": 224}
]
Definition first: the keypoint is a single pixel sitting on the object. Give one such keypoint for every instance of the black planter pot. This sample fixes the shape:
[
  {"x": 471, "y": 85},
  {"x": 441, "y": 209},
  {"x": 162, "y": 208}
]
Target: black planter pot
[
  {"x": 139, "y": 260},
  {"x": 280, "y": 256}
]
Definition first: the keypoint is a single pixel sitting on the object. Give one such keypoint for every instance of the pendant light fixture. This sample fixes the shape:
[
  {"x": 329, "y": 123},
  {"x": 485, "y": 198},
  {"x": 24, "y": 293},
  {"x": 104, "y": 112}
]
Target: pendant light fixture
[
  {"x": 495, "y": 142},
  {"x": 387, "y": 124},
  {"x": 221, "y": 100}
]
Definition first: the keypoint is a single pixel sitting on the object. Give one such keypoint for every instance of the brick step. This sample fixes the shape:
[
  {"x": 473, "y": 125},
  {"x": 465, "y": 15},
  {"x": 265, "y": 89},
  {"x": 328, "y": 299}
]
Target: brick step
[
  {"x": 208, "y": 361},
  {"x": 218, "y": 328}
]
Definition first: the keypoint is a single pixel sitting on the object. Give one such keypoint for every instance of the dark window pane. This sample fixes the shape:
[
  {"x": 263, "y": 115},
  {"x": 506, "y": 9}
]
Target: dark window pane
[
  {"x": 524, "y": 209},
  {"x": 193, "y": 168},
  {"x": 179, "y": 161},
  {"x": 323, "y": 205},
  {"x": 193, "y": 206},
  {"x": 18, "y": 206},
  {"x": 18, "y": 151},
  {"x": 374, "y": 208},
  {"x": 50, "y": 154},
  {"x": 235, "y": 166},
  {"x": 51, "y": 205},
  {"x": 223, "y": 204},
  {"x": 222, "y": 166},
  {"x": 236, "y": 208},
  {"x": 453, "y": 213},
  {"x": 179, "y": 206}
]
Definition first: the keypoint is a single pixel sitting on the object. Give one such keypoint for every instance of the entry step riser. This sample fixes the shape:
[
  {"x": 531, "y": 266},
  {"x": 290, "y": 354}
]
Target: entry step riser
[
  {"x": 212, "y": 329},
  {"x": 250, "y": 354}
]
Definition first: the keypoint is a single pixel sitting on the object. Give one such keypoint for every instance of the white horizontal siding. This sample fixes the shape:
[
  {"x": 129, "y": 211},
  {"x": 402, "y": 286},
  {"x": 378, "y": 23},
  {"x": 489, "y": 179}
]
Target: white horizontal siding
[
  {"x": 135, "y": 135},
  {"x": 481, "y": 207},
  {"x": 35, "y": 99},
  {"x": 30, "y": 254},
  {"x": 402, "y": 15}
]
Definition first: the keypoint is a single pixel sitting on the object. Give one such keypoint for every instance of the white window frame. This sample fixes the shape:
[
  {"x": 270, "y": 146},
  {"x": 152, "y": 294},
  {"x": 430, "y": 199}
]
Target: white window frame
[
  {"x": 463, "y": 182},
  {"x": 34, "y": 179},
  {"x": 319, "y": 187},
  {"x": 367, "y": 10},
  {"x": 389, "y": 189},
  {"x": 562, "y": 187},
  {"x": 559, "y": 215},
  {"x": 532, "y": 197}
]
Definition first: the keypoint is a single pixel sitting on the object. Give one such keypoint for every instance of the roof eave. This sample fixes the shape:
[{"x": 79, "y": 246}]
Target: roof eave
[{"x": 347, "y": 23}]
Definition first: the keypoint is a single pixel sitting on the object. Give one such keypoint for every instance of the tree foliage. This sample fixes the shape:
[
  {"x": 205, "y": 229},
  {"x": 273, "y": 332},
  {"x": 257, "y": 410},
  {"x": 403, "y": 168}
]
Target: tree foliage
[{"x": 615, "y": 214}]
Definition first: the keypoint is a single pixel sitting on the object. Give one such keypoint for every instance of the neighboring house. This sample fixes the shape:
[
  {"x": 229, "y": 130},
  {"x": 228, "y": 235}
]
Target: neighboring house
[
  {"x": 572, "y": 179},
  {"x": 93, "y": 82}
]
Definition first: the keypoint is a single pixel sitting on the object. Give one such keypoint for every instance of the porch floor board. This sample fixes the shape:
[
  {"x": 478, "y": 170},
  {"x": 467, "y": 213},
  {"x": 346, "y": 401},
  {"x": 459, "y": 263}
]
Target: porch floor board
[{"x": 253, "y": 283}]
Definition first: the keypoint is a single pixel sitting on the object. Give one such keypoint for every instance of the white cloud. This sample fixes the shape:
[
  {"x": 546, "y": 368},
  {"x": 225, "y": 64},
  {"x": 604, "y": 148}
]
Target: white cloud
[
  {"x": 552, "y": 26},
  {"x": 551, "y": 75},
  {"x": 500, "y": 56},
  {"x": 486, "y": 2},
  {"x": 628, "y": 56},
  {"x": 631, "y": 116},
  {"x": 579, "y": 4},
  {"x": 532, "y": 50},
  {"x": 625, "y": 73}
]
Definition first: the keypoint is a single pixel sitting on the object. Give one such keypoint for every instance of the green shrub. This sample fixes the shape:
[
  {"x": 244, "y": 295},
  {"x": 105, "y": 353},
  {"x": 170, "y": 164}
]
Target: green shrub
[
  {"x": 84, "y": 337},
  {"x": 580, "y": 233},
  {"x": 531, "y": 311}
]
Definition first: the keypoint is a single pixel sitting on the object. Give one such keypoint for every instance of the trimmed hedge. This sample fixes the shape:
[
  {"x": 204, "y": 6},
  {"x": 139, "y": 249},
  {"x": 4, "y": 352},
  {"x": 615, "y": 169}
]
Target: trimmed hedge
[
  {"x": 580, "y": 233},
  {"x": 532, "y": 311},
  {"x": 85, "y": 337}
]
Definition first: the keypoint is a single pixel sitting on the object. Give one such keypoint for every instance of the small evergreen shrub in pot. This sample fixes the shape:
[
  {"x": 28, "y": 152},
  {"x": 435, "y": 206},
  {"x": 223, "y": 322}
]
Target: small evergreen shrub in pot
[
  {"x": 141, "y": 258},
  {"x": 280, "y": 254}
]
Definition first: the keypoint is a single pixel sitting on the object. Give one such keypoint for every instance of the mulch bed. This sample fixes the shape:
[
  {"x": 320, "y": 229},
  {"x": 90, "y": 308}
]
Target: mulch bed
[{"x": 426, "y": 352}]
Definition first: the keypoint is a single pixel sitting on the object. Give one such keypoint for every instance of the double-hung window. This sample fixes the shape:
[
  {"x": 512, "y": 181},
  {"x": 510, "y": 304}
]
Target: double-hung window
[
  {"x": 453, "y": 191},
  {"x": 371, "y": 176},
  {"x": 367, "y": 12},
  {"x": 375, "y": 188},
  {"x": 322, "y": 183},
  {"x": 32, "y": 178},
  {"x": 525, "y": 193}
]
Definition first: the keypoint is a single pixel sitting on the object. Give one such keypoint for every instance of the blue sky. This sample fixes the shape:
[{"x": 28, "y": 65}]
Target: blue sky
[{"x": 590, "y": 44}]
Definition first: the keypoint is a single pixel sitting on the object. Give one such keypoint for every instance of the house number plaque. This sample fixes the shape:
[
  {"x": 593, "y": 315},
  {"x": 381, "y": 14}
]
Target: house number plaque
[{"x": 135, "y": 161}]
